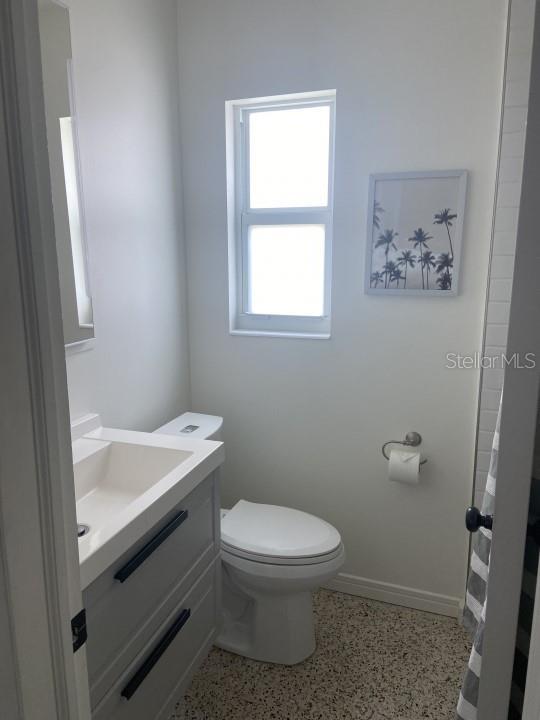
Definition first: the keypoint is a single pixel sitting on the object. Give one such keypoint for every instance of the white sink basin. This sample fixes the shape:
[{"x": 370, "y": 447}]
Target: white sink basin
[
  {"x": 115, "y": 474},
  {"x": 126, "y": 482}
]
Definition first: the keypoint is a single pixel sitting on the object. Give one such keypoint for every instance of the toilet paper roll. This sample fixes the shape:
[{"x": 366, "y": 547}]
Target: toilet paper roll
[{"x": 404, "y": 466}]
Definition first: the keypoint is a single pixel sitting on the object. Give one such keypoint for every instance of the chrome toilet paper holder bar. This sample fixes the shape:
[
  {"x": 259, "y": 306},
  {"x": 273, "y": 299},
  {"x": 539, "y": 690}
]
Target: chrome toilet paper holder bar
[{"x": 412, "y": 439}]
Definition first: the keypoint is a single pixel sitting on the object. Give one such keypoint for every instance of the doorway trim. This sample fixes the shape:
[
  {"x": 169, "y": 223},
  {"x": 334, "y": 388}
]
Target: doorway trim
[{"x": 38, "y": 543}]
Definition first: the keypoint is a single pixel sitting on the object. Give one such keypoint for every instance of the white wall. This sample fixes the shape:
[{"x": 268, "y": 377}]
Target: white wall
[
  {"x": 418, "y": 87},
  {"x": 126, "y": 74},
  {"x": 514, "y": 120}
]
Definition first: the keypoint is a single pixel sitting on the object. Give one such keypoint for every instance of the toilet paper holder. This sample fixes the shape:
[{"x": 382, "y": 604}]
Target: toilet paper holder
[{"x": 412, "y": 439}]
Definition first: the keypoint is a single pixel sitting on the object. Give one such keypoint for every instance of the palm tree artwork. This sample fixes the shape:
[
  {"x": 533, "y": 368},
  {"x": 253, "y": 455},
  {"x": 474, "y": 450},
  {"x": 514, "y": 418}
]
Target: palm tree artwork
[
  {"x": 412, "y": 259},
  {"x": 377, "y": 212},
  {"x": 376, "y": 278},
  {"x": 445, "y": 217},
  {"x": 444, "y": 264},
  {"x": 387, "y": 241},
  {"x": 390, "y": 268},
  {"x": 420, "y": 240},
  {"x": 396, "y": 276},
  {"x": 406, "y": 260},
  {"x": 428, "y": 262},
  {"x": 444, "y": 282},
  {"x": 392, "y": 273}
]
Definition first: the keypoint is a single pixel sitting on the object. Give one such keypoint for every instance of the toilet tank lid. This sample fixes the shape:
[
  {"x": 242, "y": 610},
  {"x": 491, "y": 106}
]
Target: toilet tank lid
[
  {"x": 277, "y": 531},
  {"x": 196, "y": 425}
]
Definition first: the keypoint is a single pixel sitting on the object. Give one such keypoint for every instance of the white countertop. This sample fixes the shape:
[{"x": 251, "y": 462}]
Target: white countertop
[{"x": 113, "y": 532}]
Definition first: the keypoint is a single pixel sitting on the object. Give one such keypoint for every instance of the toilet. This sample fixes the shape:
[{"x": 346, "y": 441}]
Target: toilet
[{"x": 273, "y": 559}]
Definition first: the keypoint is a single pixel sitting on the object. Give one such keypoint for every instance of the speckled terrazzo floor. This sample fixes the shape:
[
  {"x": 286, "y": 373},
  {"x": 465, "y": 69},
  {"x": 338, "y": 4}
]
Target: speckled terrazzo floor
[{"x": 373, "y": 662}]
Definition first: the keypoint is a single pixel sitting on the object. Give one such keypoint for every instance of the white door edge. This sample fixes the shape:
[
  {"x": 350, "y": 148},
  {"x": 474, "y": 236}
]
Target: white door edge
[
  {"x": 38, "y": 540},
  {"x": 517, "y": 433},
  {"x": 531, "y": 703}
]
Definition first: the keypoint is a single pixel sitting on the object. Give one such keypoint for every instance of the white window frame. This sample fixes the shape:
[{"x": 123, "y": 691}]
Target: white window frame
[{"x": 241, "y": 217}]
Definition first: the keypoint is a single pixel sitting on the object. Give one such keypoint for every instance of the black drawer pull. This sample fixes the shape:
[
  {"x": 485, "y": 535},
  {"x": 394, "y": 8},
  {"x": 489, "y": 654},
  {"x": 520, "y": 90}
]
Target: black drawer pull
[
  {"x": 138, "y": 559},
  {"x": 135, "y": 682}
]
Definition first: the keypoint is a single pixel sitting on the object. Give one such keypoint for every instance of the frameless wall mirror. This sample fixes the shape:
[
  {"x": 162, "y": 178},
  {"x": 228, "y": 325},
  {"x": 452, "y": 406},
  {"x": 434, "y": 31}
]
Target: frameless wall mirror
[{"x": 68, "y": 207}]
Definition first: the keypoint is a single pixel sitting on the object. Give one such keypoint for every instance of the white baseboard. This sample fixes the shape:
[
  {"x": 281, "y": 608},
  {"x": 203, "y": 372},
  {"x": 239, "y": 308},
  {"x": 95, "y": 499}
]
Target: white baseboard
[{"x": 397, "y": 595}]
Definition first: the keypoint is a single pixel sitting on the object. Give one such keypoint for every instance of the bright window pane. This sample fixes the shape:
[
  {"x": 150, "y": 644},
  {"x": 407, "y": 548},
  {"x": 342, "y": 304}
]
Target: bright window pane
[
  {"x": 286, "y": 270},
  {"x": 288, "y": 157}
]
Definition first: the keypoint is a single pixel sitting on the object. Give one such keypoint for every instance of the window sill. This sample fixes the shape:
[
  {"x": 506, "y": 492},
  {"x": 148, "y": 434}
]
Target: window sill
[{"x": 275, "y": 333}]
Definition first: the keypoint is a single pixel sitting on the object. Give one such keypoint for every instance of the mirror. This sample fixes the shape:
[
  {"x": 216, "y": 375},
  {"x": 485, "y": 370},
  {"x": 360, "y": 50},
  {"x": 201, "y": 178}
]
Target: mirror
[{"x": 66, "y": 187}]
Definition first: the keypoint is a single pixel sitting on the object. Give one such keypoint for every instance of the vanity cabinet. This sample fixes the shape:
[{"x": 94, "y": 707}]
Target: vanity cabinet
[{"x": 154, "y": 613}]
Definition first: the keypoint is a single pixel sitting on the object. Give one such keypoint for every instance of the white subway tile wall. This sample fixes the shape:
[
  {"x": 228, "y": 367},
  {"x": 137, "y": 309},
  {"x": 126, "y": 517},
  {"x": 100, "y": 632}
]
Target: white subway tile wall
[
  {"x": 498, "y": 312},
  {"x": 497, "y": 334},
  {"x": 488, "y": 420},
  {"x": 483, "y": 461},
  {"x": 490, "y": 401},
  {"x": 515, "y": 119},
  {"x": 484, "y": 440},
  {"x": 504, "y": 242},
  {"x": 479, "y": 494},
  {"x": 502, "y": 267},
  {"x": 506, "y": 218},
  {"x": 511, "y": 168},
  {"x": 516, "y": 101},
  {"x": 492, "y": 380},
  {"x": 508, "y": 194},
  {"x": 499, "y": 290}
]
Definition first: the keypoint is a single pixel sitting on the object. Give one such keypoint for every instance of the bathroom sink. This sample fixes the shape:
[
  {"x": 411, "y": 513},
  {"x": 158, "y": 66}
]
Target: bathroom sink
[
  {"x": 117, "y": 473},
  {"x": 126, "y": 482}
]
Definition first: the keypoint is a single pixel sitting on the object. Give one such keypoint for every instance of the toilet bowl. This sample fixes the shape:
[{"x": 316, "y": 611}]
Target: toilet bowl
[{"x": 273, "y": 559}]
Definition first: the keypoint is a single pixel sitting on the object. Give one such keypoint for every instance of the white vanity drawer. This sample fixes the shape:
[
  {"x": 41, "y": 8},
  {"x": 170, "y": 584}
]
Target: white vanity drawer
[
  {"x": 127, "y": 604},
  {"x": 153, "y": 683}
]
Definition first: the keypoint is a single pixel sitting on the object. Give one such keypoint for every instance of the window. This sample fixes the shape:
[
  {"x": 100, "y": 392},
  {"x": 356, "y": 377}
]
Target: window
[{"x": 280, "y": 159}]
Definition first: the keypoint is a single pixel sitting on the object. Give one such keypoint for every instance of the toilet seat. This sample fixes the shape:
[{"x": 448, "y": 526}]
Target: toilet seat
[
  {"x": 275, "y": 560},
  {"x": 286, "y": 572},
  {"x": 278, "y": 535}
]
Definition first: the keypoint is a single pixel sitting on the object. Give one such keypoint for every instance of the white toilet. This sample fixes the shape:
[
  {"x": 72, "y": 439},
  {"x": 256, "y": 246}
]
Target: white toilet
[{"x": 273, "y": 559}]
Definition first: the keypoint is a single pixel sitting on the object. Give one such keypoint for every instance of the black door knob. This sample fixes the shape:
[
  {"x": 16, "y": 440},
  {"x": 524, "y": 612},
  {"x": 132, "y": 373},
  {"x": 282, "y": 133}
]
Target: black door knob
[{"x": 474, "y": 520}]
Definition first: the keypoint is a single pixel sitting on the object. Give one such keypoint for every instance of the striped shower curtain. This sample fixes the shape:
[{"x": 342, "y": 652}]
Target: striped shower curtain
[
  {"x": 474, "y": 613},
  {"x": 475, "y": 602}
]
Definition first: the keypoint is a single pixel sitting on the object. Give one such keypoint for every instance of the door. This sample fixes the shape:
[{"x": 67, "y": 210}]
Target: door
[
  {"x": 517, "y": 432},
  {"x": 41, "y": 677}
]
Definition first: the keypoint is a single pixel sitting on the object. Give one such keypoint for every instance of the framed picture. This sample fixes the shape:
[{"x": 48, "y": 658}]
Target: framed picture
[{"x": 415, "y": 229}]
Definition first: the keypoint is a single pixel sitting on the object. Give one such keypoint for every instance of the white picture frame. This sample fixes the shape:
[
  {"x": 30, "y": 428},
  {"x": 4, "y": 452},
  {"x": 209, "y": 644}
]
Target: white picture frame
[{"x": 415, "y": 233}]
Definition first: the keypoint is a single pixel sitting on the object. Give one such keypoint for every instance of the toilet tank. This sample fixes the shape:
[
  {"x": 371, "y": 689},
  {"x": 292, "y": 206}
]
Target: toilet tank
[{"x": 197, "y": 425}]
